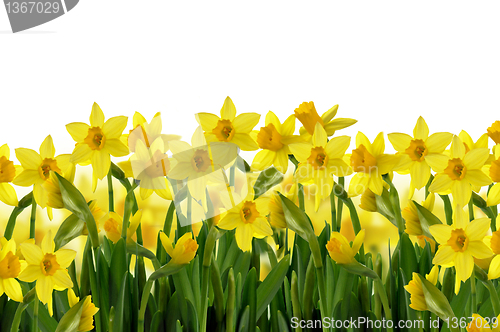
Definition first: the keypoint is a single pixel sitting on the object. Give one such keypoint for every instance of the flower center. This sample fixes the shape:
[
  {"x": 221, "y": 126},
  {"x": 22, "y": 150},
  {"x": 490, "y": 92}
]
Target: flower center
[
  {"x": 417, "y": 150},
  {"x": 269, "y": 138},
  {"x": 49, "y": 265},
  {"x": 224, "y": 130},
  {"x": 318, "y": 158},
  {"x": 362, "y": 160},
  {"x": 495, "y": 170},
  {"x": 456, "y": 169},
  {"x": 307, "y": 115},
  {"x": 201, "y": 160},
  {"x": 95, "y": 138},
  {"x": 495, "y": 242},
  {"x": 249, "y": 212},
  {"x": 7, "y": 170},
  {"x": 458, "y": 240},
  {"x": 48, "y": 164},
  {"x": 10, "y": 266}
]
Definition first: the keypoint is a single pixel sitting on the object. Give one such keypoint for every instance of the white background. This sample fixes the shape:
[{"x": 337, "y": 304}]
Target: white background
[{"x": 385, "y": 63}]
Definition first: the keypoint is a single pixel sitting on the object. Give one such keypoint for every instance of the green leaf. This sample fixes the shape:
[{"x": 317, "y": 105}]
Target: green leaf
[
  {"x": 71, "y": 320},
  {"x": 435, "y": 300},
  {"x": 283, "y": 322},
  {"x": 166, "y": 270},
  {"x": 118, "y": 268},
  {"x": 250, "y": 297},
  {"x": 270, "y": 286},
  {"x": 427, "y": 219},
  {"x": 408, "y": 259},
  {"x": 296, "y": 219},
  {"x": 23, "y": 204},
  {"x": 136, "y": 249},
  {"x": 122, "y": 313},
  {"x": 384, "y": 206},
  {"x": 245, "y": 320},
  {"x": 74, "y": 201},
  {"x": 267, "y": 179},
  {"x": 157, "y": 322},
  {"x": 70, "y": 229}
]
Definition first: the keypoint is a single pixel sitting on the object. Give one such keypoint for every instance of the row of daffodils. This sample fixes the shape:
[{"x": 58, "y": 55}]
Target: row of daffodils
[{"x": 237, "y": 251}]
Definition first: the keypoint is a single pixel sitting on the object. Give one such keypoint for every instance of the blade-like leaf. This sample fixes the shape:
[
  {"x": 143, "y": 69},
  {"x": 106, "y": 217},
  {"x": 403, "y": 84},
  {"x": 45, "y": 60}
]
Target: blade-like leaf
[
  {"x": 71, "y": 320},
  {"x": 266, "y": 180},
  {"x": 268, "y": 288}
]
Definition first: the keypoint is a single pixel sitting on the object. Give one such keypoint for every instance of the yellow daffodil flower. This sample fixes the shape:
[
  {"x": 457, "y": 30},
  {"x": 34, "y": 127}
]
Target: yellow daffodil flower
[
  {"x": 150, "y": 165},
  {"x": 412, "y": 221},
  {"x": 47, "y": 267},
  {"x": 493, "y": 242},
  {"x": 308, "y": 116},
  {"x": 97, "y": 213},
  {"x": 229, "y": 127},
  {"x": 10, "y": 268},
  {"x": 370, "y": 163},
  {"x": 459, "y": 171},
  {"x": 479, "y": 324},
  {"x": 469, "y": 144},
  {"x": 416, "y": 291},
  {"x": 37, "y": 169},
  {"x": 148, "y": 132},
  {"x": 88, "y": 311},
  {"x": 415, "y": 150},
  {"x": 249, "y": 219},
  {"x": 95, "y": 143},
  {"x": 113, "y": 224},
  {"x": 200, "y": 163},
  {"x": 494, "y": 172},
  {"x": 184, "y": 250},
  {"x": 368, "y": 201},
  {"x": 341, "y": 251},
  {"x": 460, "y": 243},
  {"x": 8, "y": 172},
  {"x": 273, "y": 139},
  {"x": 494, "y": 132},
  {"x": 320, "y": 160}
]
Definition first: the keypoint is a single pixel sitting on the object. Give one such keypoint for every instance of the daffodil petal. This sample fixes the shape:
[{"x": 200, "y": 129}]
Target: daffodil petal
[
  {"x": 167, "y": 244},
  {"x": 441, "y": 183},
  {"x": 464, "y": 264},
  {"x": 245, "y": 122},
  {"x": 479, "y": 250},
  {"x": 358, "y": 184},
  {"x": 475, "y": 158},
  {"x": 116, "y": 148},
  {"x": 13, "y": 289},
  {"x": 261, "y": 227},
  {"x": 47, "y": 149},
  {"x": 461, "y": 192},
  {"x": 244, "y": 236},
  {"x": 96, "y": 116},
  {"x": 114, "y": 127},
  {"x": 244, "y": 141},
  {"x": 81, "y": 153},
  {"x": 444, "y": 255},
  {"x": 494, "y": 270},
  {"x": 420, "y": 173},
  {"x": 441, "y": 233},
  {"x": 319, "y": 137},
  {"x": 32, "y": 253},
  {"x": 438, "y": 162},
  {"x": 301, "y": 151},
  {"x": 207, "y": 121},
  {"x": 101, "y": 163},
  {"x": 400, "y": 141},
  {"x": 29, "y": 158},
  {"x": 494, "y": 195},
  {"x": 62, "y": 279},
  {"x": 437, "y": 142},
  {"x": 337, "y": 146},
  {"x": 378, "y": 145},
  {"x": 8, "y": 194},
  {"x": 65, "y": 257},
  {"x": 421, "y": 130},
  {"x": 31, "y": 273},
  {"x": 44, "y": 287},
  {"x": 457, "y": 148},
  {"x": 263, "y": 159},
  {"x": 230, "y": 221}
]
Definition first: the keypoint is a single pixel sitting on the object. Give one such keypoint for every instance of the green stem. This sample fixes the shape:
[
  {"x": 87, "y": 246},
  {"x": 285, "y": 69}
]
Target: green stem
[
  {"x": 318, "y": 263},
  {"x": 295, "y": 299},
  {"x": 394, "y": 198},
  {"x": 17, "y": 317},
  {"x": 110, "y": 192},
  {"x": 94, "y": 286},
  {"x": 335, "y": 224},
  {"x": 495, "y": 301},
  {"x": 379, "y": 287},
  {"x": 301, "y": 197},
  {"x": 356, "y": 225},
  {"x": 204, "y": 297},
  {"x": 471, "y": 210},
  {"x": 340, "y": 205},
  {"x": 35, "y": 314},
  {"x": 33, "y": 219},
  {"x": 448, "y": 210},
  {"x": 144, "y": 304},
  {"x": 23, "y": 203},
  {"x": 231, "y": 301},
  {"x": 473, "y": 293}
]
